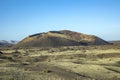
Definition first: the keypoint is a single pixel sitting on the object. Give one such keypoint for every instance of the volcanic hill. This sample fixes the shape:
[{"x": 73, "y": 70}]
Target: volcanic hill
[{"x": 60, "y": 38}]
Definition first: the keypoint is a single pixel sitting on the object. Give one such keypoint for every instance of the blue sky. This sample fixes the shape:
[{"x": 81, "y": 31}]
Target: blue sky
[{"x": 20, "y": 18}]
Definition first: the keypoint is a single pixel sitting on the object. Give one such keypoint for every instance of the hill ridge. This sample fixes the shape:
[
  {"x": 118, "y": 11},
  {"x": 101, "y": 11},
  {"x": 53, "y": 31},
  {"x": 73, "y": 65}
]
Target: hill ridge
[{"x": 60, "y": 38}]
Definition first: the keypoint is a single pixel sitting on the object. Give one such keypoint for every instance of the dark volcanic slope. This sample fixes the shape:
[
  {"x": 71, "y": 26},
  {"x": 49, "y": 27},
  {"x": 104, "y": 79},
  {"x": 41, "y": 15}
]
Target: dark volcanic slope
[{"x": 60, "y": 38}]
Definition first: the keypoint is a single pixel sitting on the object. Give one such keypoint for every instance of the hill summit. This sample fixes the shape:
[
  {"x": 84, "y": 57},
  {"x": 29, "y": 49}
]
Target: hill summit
[{"x": 60, "y": 38}]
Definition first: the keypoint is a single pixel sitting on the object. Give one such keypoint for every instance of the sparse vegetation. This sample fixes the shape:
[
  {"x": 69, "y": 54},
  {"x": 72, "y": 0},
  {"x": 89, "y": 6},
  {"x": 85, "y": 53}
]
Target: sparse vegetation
[{"x": 61, "y": 63}]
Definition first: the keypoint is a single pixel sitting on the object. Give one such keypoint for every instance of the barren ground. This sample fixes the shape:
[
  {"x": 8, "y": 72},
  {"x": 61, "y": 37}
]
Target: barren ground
[{"x": 64, "y": 63}]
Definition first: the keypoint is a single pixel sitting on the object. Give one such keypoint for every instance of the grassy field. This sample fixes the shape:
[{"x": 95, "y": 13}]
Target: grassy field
[{"x": 63, "y": 63}]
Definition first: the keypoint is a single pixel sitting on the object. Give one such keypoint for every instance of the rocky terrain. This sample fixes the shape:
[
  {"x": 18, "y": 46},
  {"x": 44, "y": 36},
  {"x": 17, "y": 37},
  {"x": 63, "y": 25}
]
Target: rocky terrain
[
  {"x": 61, "y": 55},
  {"x": 63, "y": 63}
]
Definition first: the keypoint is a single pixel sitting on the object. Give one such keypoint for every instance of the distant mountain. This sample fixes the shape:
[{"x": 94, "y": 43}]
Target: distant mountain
[
  {"x": 7, "y": 43},
  {"x": 115, "y": 42},
  {"x": 3, "y": 43},
  {"x": 60, "y": 38},
  {"x": 13, "y": 42}
]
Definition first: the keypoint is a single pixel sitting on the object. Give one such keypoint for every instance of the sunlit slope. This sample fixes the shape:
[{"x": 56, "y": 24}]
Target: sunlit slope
[{"x": 60, "y": 38}]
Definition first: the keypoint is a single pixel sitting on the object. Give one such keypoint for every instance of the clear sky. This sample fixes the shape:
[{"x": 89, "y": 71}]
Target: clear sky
[{"x": 20, "y": 18}]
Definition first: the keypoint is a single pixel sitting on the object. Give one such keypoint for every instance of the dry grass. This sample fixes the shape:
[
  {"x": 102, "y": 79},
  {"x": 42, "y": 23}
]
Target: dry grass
[{"x": 63, "y": 63}]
